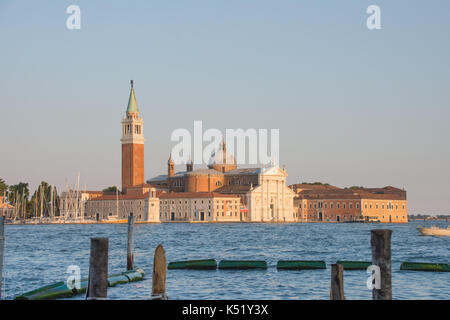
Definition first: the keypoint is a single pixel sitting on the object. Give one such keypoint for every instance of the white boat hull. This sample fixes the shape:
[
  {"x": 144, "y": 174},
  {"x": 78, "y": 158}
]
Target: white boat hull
[{"x": 434, "y": 232}]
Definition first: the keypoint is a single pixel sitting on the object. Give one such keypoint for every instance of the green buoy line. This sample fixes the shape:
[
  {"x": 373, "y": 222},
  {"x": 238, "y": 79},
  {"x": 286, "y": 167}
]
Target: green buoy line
[
  {"x": 424, "y": 266},
  {"x": 60, "y": 289},
  {"x": 300, "y": 265},
  {"x": 208, "y": 264},
  {"x": 354, "y": 265},
  {"x": 211, "y": 264},
  {"x": 242, "y": 264}
]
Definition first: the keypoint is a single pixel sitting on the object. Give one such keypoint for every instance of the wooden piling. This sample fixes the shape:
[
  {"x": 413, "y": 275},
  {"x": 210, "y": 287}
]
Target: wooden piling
[
  {"x": 98, "y": 270},
  {"x": 337, "y": 282},
  {"x": 2, "y": 249},
  {"x": 381, "y": 257},
  {"x": 130, "y": 242},
  {"x": 159, "y": 274}
]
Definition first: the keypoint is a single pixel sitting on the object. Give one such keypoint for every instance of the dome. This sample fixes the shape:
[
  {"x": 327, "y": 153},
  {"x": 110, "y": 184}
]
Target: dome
[{"x": 221, "y": 160}]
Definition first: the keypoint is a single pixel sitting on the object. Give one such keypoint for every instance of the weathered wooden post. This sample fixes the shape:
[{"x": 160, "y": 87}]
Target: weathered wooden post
[
  {"x": 98, "y": 270},
  {"x": 2, "y": 249},
  {"x": 159, "y": 274},
  {"x": 337, "y": 282},
  {"x": 381, "y": 256},
  {"x": 130, "y": 242}
]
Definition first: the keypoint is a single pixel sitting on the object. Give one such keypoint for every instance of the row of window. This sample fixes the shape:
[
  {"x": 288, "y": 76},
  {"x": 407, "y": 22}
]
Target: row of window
[
  {"x": 344, "y": 206},
  {"x": 325, "y": 205},
  {"x": 195, "y": 201},
  {"x": 388, "y": 206},
  {"x": 179, "y": 214}
]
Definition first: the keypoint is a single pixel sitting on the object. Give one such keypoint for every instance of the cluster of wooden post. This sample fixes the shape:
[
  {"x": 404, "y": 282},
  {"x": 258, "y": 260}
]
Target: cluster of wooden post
[
  {"x": 380, "y": 242},
  {"x": 98, "y": 267}
]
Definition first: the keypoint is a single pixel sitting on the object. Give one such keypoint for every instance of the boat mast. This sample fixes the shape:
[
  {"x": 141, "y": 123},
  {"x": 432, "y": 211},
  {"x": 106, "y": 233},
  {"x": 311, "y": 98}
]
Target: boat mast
[
  {"x": 51, "y": 202},
  {"x": 23, "y": 205},
  {"x": 77, "y": 196},
  {"x": 42, "y": 201}
]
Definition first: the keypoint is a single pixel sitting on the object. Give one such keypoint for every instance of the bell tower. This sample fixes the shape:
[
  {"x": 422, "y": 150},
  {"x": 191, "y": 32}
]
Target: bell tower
[
  {"x": 132, "y": 145},
  {"x": 170, "y": 167}
]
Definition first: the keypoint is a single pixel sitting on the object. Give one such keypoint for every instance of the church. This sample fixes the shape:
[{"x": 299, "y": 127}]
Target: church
[{"x": 222, "y": 192}]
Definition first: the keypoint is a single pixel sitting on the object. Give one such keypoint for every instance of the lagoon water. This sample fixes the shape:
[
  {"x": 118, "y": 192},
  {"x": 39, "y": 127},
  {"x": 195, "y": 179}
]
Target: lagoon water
[{"x": 37, "y": 255}]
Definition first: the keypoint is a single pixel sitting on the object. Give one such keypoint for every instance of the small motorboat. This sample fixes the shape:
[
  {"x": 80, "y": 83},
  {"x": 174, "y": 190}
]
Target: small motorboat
[{"x": 434, "y": 231}]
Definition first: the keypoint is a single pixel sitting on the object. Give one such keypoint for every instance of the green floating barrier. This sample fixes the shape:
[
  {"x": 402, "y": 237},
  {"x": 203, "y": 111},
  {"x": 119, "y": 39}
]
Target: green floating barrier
[
  {"x": 242, "y": 264},
  {"x": 423, "y": 266},
  {"x": 209, "y": 264},
  {"x": 53, "y": 291},
  {"x": 134, "y": 275},
  {"x": 354, "y": 265},
  {"x": 59, "y": 289},
  {"x": 116, "y": 279},
  {"x": 300, "y": 265}
]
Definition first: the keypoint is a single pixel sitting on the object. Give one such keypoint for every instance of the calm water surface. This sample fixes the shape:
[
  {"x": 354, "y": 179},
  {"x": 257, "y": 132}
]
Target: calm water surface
[{"x": 39, "y": 255}]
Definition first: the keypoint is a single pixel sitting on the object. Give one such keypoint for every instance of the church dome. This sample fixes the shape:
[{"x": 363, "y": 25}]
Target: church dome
[{"x": 221, "y": 160}]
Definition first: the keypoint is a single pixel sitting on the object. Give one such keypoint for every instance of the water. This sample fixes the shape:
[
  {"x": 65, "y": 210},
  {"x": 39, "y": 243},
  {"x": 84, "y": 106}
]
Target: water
[{"x": 37, "y": 255}]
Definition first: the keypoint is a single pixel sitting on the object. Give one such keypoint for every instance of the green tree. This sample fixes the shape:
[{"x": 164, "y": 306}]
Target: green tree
[
  {"x": 317, "y": 183},
  {"x": 112, "y": 189},
  {"x": 3, "y": 187},
  {"x": 18, "y": 195},
  {"x": 17, "y": 191},
  {"x": 42, "y": 196}
]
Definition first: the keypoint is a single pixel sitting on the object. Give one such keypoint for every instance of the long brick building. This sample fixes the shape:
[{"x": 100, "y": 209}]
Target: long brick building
[{"x": 324, "y": 203}]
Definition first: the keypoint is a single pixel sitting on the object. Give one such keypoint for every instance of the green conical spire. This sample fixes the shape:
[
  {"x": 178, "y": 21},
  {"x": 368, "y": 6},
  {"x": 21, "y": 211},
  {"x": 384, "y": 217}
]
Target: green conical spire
[{"x": 132, "y": 104}]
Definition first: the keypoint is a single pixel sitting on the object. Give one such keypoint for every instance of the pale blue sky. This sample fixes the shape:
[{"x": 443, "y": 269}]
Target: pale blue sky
[{"x": 354, "y": 107}]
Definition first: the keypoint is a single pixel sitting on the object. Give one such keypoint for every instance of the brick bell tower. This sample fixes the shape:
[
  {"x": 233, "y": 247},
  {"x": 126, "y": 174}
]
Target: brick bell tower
[{"x": 132, "y": 145}]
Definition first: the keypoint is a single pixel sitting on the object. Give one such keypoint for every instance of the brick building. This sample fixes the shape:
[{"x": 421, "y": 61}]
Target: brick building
[{"x": 315, "y": 203}]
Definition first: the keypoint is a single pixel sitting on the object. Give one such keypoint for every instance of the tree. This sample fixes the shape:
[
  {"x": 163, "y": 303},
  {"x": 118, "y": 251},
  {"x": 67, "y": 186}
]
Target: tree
[
  {"x": 317, "y": 183},
  {"x": 112, "y": 189},
  {"x": 18, "y": 191},
  {"x": 18, "y": 195},
  {"x": 42, "y": 196},
  {"x": 3, "y": 187}
]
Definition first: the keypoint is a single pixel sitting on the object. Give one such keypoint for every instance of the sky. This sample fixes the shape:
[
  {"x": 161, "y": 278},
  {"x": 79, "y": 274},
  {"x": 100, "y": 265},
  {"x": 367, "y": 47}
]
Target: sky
[{"x": 354, "y": 106}]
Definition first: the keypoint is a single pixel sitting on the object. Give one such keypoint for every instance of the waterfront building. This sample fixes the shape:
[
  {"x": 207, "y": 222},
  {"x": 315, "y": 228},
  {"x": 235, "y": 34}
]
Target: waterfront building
[
  {"x": 72, "y": 204},
  {"x": 6, "y": 210},
  {"x": 141, "y": 201},
  {"x": 200, "y": 206},
  {"x": 324, "y": 203}
]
